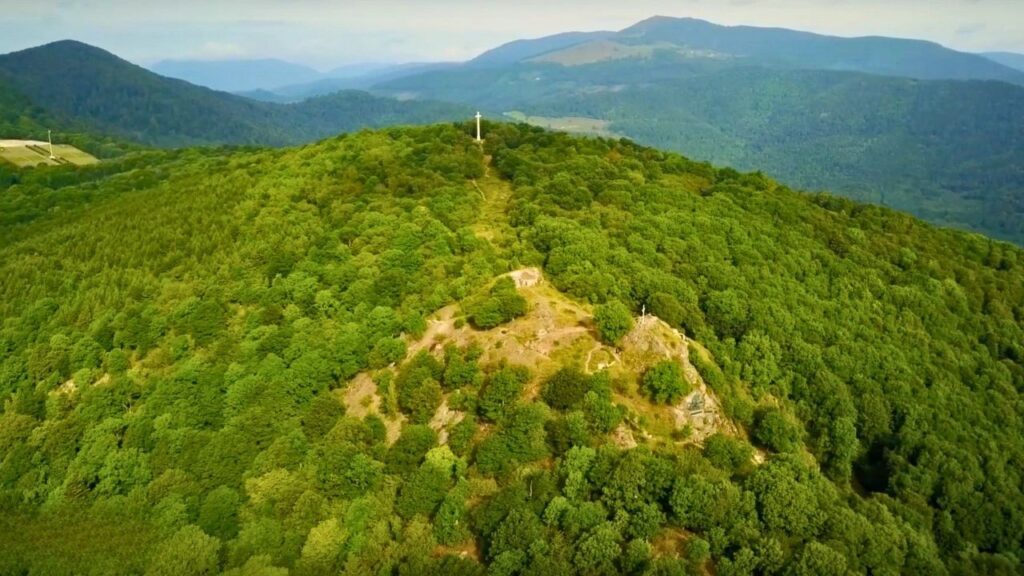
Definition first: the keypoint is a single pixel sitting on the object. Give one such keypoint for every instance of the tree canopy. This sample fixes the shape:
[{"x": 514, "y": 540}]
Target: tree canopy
[{"x": 185, "y": 337}]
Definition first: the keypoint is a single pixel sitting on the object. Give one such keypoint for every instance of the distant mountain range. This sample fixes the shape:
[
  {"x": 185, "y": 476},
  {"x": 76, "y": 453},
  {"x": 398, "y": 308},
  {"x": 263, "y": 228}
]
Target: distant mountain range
[
  {"x": 94, "y": 87},
  {"x": 236, "y": 75},
  {"x": 1009, "y": 59},
  {"x": 279, "y": 81},
  {"x": 353, "y": 81},
  {"x": 747, "y": 45}
]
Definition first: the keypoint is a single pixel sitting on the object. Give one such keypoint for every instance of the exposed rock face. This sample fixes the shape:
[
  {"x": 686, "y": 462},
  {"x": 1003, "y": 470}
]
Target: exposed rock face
[
  {"x": 652, "y": 341},
  {"x": 526, "y": 278},
  {"x": 558, "y": 331}
]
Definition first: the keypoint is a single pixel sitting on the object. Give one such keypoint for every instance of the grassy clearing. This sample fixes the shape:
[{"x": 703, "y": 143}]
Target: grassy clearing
[
  {"x": 24, "y": 157},
  {"x": 571, "y": 124},
  {"x": 593, "y": 52},
  {"x": 493, "y": 223},
  {"x": 26, "y": 154},
  {"x": 74, "y": 155}
]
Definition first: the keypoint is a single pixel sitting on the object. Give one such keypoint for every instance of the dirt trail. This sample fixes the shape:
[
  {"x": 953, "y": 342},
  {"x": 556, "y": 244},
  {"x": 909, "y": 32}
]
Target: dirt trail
[{"x": 492, "y": 225}]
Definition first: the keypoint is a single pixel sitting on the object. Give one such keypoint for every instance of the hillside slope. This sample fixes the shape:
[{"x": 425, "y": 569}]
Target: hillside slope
[
  {"x": 254, "y": 361},
  {"x": 948, "y": 152},
  {"x": 519, "y": 50},
  {"x": 21, "y": 119},
  {"x": 92, "y": 86}
]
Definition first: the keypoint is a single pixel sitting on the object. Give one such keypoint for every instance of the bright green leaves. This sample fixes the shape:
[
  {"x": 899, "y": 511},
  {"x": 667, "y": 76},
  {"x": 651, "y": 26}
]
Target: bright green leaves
[
  {"x": 502, "y": 304},
  {"x": 665, "y": 382},
  {"x": 613, "y": 321}
]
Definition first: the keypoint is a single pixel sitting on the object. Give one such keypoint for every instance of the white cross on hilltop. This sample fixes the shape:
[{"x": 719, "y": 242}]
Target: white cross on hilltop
[{"x": 478, "y": 117}]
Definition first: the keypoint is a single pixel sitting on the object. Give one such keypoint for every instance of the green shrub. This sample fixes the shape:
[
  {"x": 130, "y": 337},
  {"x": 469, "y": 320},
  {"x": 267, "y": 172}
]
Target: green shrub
[
  {"x": 665, "y": 383},
  {"x": 566, "y": 388},
  {"x": 613, "y": 321},
  {"x": 502, "y": 304},
  {"x": 418, "y": 387},
  {"x": 777, "y": 431},
  {"x": 502, "y": 391},
  {"x": 727, "y": 453}
]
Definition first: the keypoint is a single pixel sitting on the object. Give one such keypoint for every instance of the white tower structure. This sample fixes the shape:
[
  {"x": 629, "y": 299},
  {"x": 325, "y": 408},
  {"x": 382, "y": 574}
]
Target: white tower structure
[
  {"x": 49, "y": 138},
  {"x": 478, "y": 117}
]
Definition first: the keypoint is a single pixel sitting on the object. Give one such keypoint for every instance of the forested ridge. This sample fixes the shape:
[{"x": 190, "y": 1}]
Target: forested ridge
[
  {"x": 22, "y": 119},
  {"x": 178, "y": 330}
]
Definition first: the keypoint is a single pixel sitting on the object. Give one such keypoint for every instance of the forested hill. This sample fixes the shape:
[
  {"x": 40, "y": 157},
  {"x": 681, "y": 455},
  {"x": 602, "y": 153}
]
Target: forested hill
[
  {"x": 948, "y": 151},
  {"x": 92, "y": 86},
  {"x": 21, "y": 119},
  {"x": 229, "y": 361}
]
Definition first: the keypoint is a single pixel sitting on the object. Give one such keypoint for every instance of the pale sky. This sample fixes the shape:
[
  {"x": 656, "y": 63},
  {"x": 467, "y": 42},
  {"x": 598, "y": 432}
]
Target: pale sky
[{"x": 324, "y": 34}]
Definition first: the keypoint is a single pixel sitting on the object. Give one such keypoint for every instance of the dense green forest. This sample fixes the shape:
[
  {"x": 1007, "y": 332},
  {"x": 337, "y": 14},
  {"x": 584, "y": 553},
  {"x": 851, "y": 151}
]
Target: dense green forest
[
  {"x": 914, "y": 146},
  {"x": 178, "y": 330},
  {"x": 21, "y": 119},
  {"x": 115, "y": 97}
]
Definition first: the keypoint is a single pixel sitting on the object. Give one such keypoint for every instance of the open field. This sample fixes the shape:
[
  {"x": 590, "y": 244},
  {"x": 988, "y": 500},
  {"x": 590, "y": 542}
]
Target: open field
[
  {"x": 572, "y": 124},
  {"x": 591, "y": 52},
  {"x": 26, "y": 153},
  {"x": 74, "y": 155}
]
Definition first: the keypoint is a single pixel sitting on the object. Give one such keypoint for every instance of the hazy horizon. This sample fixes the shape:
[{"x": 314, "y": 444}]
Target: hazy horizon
[{"x": 324, "y": 34}]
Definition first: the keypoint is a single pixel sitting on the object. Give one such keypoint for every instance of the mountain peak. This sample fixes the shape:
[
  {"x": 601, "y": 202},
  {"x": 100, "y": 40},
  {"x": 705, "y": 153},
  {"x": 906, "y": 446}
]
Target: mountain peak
[
  {"x": 64, "y": 46},
  {"x": 661, "y": 20}
]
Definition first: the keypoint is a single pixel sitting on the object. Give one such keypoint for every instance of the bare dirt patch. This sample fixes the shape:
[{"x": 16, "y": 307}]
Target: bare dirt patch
[
  {"x": 361, "y": 399},
  {"x": 526, "y": 278},
  {"x": 443, "y": 420}
]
